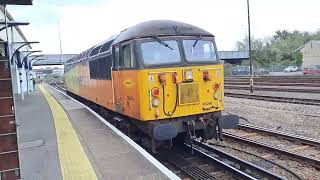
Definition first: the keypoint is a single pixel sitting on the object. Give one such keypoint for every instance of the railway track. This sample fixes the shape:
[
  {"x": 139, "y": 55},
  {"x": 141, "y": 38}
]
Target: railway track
[
  {"x": 275, "y": 98},
  {"x": 301, "y": 148},
  {"x": 286, "y": 84},
  {"x": 288, "y": 136},
  {"x": 294, "y": 84},
  {"x": 275, "y": 79},
  {"x": 208, "y": 162},
  {"x": 57, "y": 85},
  {"x": 273, "y": 88}
]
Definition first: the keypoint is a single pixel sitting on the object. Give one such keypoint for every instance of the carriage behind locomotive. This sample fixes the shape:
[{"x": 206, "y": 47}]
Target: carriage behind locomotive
[{"x": 161, "y": 77}]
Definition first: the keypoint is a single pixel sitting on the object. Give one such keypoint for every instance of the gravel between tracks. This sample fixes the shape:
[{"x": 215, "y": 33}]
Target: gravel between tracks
[
  {"x": 303, "y": 170},
  {"x": 297, "y": 119},
  {"x": 292, "y": 118}
]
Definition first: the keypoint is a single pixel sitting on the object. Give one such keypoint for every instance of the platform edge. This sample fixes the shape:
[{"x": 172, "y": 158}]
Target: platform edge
[{"x": 143, "y": 152}]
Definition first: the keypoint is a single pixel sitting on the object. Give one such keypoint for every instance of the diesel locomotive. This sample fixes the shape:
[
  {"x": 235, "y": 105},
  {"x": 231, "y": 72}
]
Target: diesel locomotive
[{"x": 163, "y": 78}]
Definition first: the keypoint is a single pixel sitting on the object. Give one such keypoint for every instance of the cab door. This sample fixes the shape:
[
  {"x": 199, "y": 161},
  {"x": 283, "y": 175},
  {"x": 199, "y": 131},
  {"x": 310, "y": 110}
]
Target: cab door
[
  {"x": 126, "y": 80},
  {"x": 116, "y": 88}
]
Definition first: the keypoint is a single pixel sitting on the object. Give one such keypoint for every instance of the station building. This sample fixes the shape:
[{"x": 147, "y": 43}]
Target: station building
[
  {"x": 14, "y": 78},
  {"x": 311, "y": 53}
]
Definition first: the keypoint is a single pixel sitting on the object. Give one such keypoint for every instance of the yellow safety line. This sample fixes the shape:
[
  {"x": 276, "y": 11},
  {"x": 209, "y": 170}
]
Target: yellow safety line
[{"x": 73, "y": 160}]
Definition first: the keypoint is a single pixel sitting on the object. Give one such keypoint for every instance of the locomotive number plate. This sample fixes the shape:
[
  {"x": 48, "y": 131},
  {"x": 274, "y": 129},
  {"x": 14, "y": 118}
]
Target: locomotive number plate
[{"x": 189, "y": 93}]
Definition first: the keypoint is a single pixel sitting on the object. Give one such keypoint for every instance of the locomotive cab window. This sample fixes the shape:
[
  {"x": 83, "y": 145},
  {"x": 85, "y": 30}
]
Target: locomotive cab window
[
  {"x": 116, "y": 57},
  {"x": 164, "y": 52},
  {"x": 127, "y": 57},
  {"x": 199, "y": 51}
]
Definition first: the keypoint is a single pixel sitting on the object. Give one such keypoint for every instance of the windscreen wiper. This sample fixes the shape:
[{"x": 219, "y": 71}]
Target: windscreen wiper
[
  {"x": 196, "y": 41},
  {"x": 162, "y": 42}
]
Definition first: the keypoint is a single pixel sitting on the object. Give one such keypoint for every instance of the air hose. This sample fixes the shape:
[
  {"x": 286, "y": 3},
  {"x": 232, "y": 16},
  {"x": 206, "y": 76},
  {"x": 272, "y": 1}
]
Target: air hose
[{"x": 164, "y": 102}]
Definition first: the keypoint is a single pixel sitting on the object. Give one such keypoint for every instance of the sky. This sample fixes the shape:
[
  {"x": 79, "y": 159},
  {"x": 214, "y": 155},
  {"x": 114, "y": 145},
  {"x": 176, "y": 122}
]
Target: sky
[{"x": 84, "y": 23}]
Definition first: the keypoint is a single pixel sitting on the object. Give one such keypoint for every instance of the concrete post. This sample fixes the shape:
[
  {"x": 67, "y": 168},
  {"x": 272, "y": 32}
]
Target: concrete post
[{"x": 27, "y": 80}]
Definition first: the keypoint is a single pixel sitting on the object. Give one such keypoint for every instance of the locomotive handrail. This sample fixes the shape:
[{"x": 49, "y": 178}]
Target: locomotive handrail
[{"x": 112, "y": 84}]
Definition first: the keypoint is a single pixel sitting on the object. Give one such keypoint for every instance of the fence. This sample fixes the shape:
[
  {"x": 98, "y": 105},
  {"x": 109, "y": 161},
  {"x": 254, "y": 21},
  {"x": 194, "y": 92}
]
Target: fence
[{"x": 257, "y": 69}]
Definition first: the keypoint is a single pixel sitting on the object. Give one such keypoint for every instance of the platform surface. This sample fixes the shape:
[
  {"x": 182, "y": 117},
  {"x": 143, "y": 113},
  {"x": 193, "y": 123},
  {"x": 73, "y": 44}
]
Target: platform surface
[
  {"x": 38, "y": 148},
  {"x": 110, "y": 156}
]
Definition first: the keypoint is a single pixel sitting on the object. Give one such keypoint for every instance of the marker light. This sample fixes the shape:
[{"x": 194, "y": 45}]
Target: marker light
[
  {"x": 155, "y": 92},
  {"x": 216, "y": 86},
  {"x": 155, "y": 102},
  {"x": 188, "y": 75}
]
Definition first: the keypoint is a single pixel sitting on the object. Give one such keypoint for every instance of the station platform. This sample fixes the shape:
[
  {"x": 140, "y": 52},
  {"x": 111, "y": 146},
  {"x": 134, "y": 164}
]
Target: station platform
[{"x": 60, "y": 138}]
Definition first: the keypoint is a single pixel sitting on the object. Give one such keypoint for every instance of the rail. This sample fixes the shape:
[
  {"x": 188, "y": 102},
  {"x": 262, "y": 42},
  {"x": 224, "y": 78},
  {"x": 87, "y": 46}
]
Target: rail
[
  {"x": 55, "y": 84},
  {"x": 238, "y": 167},
  {"x": 294, "y": 84},
  {"x": 217, "y": 163},
  {"x": 290, "y": 153},
  {"x": 275, "y": 98},
  {"x": 285, "y": 135},
  {"x": 266, "y": 88}
]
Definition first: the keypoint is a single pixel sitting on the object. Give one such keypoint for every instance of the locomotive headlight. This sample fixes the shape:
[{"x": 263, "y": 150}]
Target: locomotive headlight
[
  {"x": 188, "y": 75},
  {"x": 155, "y": 102}
]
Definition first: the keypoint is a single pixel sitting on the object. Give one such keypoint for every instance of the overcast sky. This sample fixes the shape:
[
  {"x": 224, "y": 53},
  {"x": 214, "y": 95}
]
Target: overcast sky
[{"x": 84, "y": 23}]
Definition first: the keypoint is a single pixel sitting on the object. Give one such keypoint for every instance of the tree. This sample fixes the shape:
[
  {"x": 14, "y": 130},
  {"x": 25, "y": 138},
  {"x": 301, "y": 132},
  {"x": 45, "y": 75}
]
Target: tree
[
  {"x": 279, "y": 49},
  {"x": 280, "y": 35},
  {"x": 261, "y": 53},
  {"x": 297, "y": 57}
]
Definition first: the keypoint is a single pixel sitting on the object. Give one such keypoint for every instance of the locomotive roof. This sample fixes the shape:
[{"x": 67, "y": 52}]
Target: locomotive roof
[
  {"x": 145, "y": 29},
  {"x": 160, "y": 28}
]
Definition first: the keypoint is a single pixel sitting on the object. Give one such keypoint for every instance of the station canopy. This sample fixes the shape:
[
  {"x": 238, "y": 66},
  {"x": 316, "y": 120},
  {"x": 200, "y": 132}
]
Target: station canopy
[{"x": 16, "y": 2}]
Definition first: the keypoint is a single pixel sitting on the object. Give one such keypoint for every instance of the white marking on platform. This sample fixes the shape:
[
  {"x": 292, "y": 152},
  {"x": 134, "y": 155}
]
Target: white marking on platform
[{"x": 32, "y": 144}]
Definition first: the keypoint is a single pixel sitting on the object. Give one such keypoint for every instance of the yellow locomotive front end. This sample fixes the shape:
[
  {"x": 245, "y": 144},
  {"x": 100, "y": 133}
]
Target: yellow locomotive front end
[
  {"x": 181, "y": 87},
  {"x": 181, "y": 91}
]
